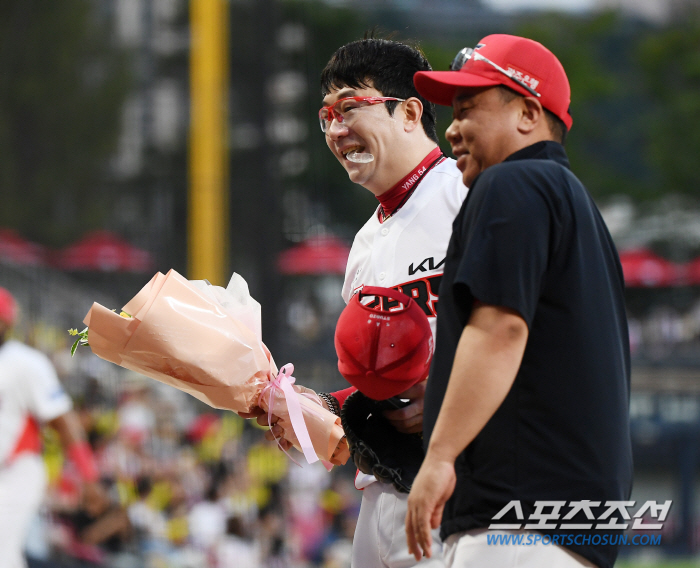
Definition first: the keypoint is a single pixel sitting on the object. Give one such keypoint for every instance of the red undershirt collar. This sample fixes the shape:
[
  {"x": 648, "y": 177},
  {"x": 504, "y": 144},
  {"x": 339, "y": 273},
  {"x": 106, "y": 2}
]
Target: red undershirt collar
[{"x": 392, "y": 200}]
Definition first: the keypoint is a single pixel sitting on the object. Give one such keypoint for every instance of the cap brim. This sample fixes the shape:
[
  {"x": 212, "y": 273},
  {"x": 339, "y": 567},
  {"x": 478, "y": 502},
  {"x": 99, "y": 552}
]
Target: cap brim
[
  {"x": 440, "y": 86},
  {"x": 378, "y": 388}
]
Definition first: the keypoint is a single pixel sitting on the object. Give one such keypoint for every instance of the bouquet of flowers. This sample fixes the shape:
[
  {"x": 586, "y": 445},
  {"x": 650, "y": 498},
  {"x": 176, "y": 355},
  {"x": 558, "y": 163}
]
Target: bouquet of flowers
[{"x": 206, "y": 340}]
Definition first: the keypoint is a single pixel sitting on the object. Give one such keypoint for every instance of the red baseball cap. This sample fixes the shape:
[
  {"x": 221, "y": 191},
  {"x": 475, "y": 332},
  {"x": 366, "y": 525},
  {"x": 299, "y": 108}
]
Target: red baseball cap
[
  {"x": 8, "y": 307},
  {"x": 522, "y": 62},
  {"x": 383, "y": 352}
]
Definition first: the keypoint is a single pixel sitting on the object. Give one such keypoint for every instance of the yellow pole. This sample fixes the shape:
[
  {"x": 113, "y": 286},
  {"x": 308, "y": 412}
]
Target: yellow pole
[{"x": 208, "y": 175}]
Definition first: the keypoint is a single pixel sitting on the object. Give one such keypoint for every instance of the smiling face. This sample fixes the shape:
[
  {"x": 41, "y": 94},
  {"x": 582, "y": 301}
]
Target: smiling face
[
  {"x": 369, "y": 129},
  {"x": 485, "y": 129}
]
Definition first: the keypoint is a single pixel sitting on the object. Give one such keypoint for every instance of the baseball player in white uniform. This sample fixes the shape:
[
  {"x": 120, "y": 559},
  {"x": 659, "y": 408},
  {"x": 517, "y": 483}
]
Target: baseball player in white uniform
[
  {"x": 405, "y": 252},
  {"x": 30, "y": 394},
  {"x": 383, "y": 133}
]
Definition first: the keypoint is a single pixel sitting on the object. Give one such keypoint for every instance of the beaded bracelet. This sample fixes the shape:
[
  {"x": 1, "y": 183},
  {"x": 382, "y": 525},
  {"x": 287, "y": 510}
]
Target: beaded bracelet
[{"x": 331, "y": 401}]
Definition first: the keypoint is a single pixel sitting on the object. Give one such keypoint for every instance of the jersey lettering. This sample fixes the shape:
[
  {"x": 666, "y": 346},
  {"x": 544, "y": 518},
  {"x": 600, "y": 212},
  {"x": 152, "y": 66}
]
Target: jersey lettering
[
  {"x": 414, "y": 178},
  {"x": 424, "y": 292},
  {"x": 434, "y": 282},
  {"x": 388, "y": 305},
  {"x": 418, "y": 290}
]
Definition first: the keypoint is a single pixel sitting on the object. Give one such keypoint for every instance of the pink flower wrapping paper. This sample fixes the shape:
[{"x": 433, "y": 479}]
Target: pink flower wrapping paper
[{"x": 192, "y": 336}]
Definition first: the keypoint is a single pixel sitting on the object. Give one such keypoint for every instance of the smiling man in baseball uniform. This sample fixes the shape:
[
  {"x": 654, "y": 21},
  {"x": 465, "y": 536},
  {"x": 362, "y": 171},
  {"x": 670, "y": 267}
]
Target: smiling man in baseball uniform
[
  {"x": 383, "y": 134},
  {"x": 389, "y": 147}
]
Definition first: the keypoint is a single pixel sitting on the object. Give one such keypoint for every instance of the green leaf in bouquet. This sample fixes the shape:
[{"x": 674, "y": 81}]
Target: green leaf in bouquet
[{"x": 82, "y": 339}]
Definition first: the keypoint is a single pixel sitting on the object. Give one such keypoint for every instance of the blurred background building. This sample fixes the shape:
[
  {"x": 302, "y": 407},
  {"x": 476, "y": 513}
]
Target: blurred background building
[{"x": 94, "y": 119}]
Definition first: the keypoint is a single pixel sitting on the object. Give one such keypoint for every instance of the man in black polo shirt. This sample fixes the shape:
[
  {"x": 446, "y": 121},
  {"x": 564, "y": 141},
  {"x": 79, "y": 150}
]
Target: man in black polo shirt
[{"x": 529, "y": 389}]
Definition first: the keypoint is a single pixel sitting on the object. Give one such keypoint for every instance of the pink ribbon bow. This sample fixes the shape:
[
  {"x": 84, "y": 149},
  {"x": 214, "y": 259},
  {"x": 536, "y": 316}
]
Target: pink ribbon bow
[{"x": 284, "y": 380}]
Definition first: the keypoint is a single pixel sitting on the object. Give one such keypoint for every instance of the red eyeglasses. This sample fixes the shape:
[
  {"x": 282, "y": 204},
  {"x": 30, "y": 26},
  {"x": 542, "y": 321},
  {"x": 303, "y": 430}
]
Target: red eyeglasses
[{"x": 342, "y": 106}]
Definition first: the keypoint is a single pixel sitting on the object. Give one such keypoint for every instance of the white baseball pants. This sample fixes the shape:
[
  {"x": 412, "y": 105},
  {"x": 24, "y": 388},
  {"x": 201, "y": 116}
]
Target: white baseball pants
[
  {"x": 380, "y": 535},
  {"x": 22, "y": 486}
]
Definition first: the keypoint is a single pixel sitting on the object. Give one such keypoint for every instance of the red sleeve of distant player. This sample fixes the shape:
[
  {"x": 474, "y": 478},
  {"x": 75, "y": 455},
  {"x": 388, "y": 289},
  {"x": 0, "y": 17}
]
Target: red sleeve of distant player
[{"x": 340, "y": 396}]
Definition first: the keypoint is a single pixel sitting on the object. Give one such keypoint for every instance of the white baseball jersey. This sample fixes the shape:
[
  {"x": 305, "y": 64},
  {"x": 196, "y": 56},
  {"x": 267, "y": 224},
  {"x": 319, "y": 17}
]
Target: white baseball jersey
[
  {"x": 30, "y": 392},
  {"x": 407, "y": 251}
]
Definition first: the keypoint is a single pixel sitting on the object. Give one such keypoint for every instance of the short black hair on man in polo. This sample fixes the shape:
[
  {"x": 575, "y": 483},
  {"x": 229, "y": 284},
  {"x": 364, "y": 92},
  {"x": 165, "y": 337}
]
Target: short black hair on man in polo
[{"x": 384, "y": 64}]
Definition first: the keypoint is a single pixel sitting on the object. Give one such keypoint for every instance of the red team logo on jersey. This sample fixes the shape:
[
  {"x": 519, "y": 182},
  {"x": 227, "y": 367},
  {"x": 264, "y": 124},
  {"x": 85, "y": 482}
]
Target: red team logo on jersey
[{"x": 424, "y": 292}]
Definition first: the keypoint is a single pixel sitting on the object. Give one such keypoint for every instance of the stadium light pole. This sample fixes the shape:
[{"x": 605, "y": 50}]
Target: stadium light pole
[{"x": 208, "y": 207}]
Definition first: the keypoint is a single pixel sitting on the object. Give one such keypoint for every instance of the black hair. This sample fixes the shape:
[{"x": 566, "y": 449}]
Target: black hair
[
  {"x": 557, "y": 127},
  {"x": 556, "y": 124},
  {"x": 384, "y": 64}
]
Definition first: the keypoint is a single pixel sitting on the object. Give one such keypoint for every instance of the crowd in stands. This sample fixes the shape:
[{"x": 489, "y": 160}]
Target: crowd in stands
[
  {"x": 664, "y": 332},
  {"x": 183, "y": 485}
]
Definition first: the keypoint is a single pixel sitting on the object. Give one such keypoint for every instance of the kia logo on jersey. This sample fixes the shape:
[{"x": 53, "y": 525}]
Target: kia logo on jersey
[{"x": 422, "y": 268}]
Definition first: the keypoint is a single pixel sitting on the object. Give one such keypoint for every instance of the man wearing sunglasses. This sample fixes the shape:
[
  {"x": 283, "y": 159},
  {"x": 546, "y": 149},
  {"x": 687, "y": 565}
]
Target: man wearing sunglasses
[
  {"x": 526, "y": 411},
  {"x": 383, "y": 134}
]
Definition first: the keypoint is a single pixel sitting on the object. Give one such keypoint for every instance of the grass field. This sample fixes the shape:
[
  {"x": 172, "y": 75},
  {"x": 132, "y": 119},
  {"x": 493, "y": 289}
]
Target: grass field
[{"x": 688, "y": 563}]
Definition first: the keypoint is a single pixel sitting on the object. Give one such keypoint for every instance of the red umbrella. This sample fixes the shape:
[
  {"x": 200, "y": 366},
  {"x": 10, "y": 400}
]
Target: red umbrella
[
  {"x": 104, "y": 251},
  {"x": 317, "y": 255},
  {"x": 643, "y": 268},
  {"x": 201, "y": 426},
  {"x": 17, "y": 250},
  {"x": 692, "y": 272}
]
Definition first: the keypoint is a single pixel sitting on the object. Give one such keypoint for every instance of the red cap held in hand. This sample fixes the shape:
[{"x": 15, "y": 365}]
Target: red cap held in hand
[{"x": 381, "y": 352}]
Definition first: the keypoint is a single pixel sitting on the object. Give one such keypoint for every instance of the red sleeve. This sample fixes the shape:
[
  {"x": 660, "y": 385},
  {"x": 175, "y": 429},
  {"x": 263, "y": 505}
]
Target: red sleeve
[
  {"x": 81, "y": 455},
  {"x": 341, "y": 395}
]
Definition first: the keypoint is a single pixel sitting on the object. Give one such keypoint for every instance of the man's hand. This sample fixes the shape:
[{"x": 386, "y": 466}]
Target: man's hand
[
  {"x": 409, "y": 419},
  {"x": 276, "y": 433},
  {"x": 431, "y": 489},
  {"x": 485, "y": 365},
  {"x": 254, "y": 413}
]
